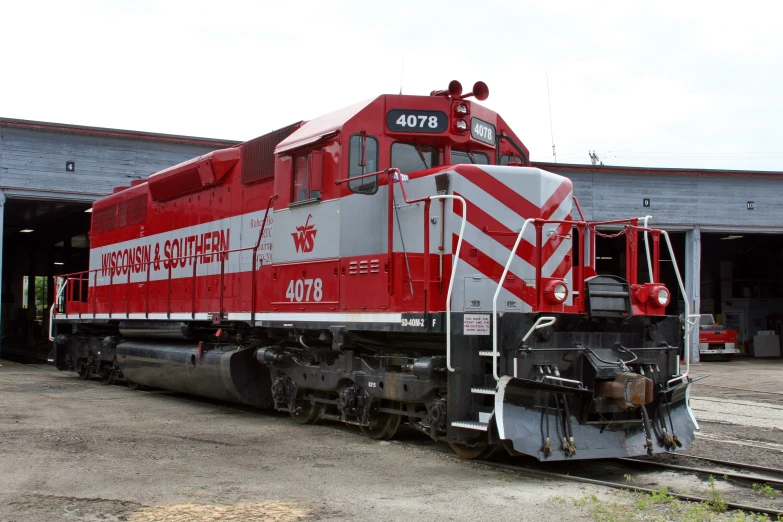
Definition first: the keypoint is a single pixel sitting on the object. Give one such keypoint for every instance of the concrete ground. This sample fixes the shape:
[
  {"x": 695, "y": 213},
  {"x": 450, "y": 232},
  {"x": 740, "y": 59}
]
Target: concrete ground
[
  {"x": 79, "y": 450},
  {"x": 739, "y": 407}
]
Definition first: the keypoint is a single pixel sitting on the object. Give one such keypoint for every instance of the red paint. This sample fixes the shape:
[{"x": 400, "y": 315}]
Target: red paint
[{"x": 173, "y": 203}]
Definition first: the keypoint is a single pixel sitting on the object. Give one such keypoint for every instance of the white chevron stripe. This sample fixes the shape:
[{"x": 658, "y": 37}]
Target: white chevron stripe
[
  {"x": 486, "y": 202},
  {"x": 563, "y": 249},
  {"x": 497, "y": 252}
]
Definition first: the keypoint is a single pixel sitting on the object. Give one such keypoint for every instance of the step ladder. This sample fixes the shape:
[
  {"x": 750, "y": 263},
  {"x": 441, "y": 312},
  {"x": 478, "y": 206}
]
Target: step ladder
[{"x": 483, "y": 422}]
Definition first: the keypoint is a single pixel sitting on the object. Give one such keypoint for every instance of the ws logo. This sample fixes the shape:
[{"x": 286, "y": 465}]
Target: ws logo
[{"x": 304, "y": 237}]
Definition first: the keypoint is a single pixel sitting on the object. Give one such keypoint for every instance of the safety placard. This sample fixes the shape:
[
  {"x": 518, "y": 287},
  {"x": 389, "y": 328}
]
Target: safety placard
[{"x": 476, "y": 324}]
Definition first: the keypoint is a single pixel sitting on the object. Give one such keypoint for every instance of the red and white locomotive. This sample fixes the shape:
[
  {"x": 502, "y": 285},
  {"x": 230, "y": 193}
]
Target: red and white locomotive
[{"x": 396, "y": 261}]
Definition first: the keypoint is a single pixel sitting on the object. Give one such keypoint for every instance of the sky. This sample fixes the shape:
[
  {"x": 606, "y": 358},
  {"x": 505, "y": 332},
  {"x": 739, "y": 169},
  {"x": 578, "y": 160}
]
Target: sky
[{"x": 656, "y": 84}]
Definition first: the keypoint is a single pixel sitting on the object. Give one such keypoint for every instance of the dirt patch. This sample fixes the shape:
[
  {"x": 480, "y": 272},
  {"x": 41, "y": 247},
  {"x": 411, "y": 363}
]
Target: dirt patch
[
  {"x": 36, "y": 507},
  {"x": 245, "y": 511}
]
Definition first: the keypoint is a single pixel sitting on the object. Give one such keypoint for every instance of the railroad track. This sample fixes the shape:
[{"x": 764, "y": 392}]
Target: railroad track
[
  {"x": 738, "y": 465},
  {"x": 569, "y": 475},
  {"x": 752, "y": 479}
]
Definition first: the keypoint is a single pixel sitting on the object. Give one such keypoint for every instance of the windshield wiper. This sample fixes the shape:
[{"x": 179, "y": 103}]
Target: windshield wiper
[{"x": 421, "y": 155}]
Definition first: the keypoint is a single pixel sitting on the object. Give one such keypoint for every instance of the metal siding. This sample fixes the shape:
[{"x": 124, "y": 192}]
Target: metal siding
[
  {"x": 715, "y": 201},
  {"x": 35, "y": 160}
]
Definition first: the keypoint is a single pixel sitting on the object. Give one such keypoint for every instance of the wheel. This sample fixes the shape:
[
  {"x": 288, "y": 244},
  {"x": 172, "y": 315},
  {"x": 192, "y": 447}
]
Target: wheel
[
  {"x": 84, "y": 371},
  {"x": 386, "y": 426},
  {"x": 108, "y": 376},
  {"x": 308, "y": 412},
  {"x": 134, "y": 385},
  {"x": 480, "y": 450}
]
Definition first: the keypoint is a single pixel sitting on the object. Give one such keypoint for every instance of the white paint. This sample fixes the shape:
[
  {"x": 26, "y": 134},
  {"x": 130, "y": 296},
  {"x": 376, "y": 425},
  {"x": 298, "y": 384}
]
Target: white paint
[
  {"x": 240, "y": 231},
  {"x": 476, "y": 324},
  {"x": 319, "y": 317}
]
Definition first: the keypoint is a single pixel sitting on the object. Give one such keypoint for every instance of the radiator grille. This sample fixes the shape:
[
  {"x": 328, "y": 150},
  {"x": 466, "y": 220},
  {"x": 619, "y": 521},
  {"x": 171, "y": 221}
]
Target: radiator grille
[
  {"x": 131, "y": 211},
  {"x": 258, "y": 155}
]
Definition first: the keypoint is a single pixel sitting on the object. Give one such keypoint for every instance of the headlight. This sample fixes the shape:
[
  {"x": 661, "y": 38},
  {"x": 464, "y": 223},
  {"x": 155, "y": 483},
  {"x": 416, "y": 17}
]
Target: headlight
[
  {"x": 462, "y": 125},
  {"x": 662, "y": 296},
  {"x": 555, "y": 291},
  {"x": 461, "y": 108}
]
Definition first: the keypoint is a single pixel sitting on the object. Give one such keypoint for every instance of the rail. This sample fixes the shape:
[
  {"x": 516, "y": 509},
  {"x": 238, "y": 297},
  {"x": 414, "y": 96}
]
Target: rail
[
  {"x": 495, "y": 353},
  {"x": 691, "y": 320},
  {"x": 646, "y": 220},
  {"x": 54, "y": 305},
  {"x": 453, "y": 273}
]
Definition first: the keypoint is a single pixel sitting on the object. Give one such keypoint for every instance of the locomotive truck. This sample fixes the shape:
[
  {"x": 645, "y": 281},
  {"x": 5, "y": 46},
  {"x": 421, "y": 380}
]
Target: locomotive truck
[{"x": 398, "y": 261}]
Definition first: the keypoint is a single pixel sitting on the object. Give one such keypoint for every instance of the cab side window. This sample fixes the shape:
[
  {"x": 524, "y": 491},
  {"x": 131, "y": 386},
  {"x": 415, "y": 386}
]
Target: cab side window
[
  {"x": 301, "y": 178},
  {"x": 308, "y": 174},
  {"x": 363, "y": 159},
  {"x": 505, "y": 159},
  {"x": 410, "y": 157}
]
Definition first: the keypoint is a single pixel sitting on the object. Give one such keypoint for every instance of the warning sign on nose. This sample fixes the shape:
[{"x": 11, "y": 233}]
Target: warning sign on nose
[{"x": 476, "y": 324}]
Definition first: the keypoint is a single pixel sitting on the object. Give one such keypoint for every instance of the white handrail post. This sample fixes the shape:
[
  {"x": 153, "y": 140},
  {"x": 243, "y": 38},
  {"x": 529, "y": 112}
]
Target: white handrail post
[
  {"x": 690, "y": 319},
  {"x": 495, "y": 299},
  {"x": 51, "y": 310},
  {"x": 541, "y": 322},
  {"x": 453, "y": 272},
  {"x": 646, "y": 220}
]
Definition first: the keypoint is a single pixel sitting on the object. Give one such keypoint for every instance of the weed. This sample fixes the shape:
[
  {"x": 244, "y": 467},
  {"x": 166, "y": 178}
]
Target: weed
[
  {"x": 716, "y": 500},
  {"x": 765, "y": 490},
  {"x": 587, "y": 499},
  {"x": 661, "y": 496},
  {"x": 628, "y": 478},
  {"x": 505, "y": 478}
]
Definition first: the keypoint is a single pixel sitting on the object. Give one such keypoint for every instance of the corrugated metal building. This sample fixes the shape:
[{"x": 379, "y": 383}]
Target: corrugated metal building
[
  {"x": 728, "y": 225},
  {"x": 49, "y": 175},
  {"x": 728, "y": 232}
]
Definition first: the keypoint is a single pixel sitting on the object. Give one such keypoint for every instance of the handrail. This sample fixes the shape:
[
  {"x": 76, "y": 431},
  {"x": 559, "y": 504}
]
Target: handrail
[
  {"x": 495, "y": 299},
  {"x": 51, "y": 310},
  {"x": 453, "y": 273},
  {"x": 690, "y": 319},
  {"x": 540, "y": 323},
  {"x": 646, "y": 220},
  {"x": 221, "y": 254}
]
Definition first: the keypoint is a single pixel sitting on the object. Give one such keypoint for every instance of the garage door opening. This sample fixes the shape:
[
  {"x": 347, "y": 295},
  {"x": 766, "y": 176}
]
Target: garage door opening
[
  {"x": 42, "y": 239},
  {"x": 742, "y": 287}
]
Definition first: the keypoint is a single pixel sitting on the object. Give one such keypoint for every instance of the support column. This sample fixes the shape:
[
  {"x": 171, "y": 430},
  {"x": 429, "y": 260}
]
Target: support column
[
  {"x": 693, "y": 282},
  {"x": 2, "y": 267}
]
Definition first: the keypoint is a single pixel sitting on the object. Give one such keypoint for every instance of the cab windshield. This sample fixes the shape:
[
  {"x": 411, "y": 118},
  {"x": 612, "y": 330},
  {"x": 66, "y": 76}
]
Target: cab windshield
[
  {"x": 410, "y": 157},
  {"x": 465, "y": 156}
]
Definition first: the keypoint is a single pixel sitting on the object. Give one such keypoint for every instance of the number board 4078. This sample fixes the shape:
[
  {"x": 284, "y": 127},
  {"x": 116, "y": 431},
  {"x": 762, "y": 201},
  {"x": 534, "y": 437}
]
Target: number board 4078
[
  {"x": 413, "y": 120},
  {"x": 482, "y": 131}
]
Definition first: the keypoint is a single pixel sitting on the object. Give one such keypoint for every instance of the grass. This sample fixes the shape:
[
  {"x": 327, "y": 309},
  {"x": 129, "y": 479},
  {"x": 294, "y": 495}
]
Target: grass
[
  {"x": 660, "y": 506},
  {"x": 766, "y": 490},
  {"x": 716, "y": 500}
]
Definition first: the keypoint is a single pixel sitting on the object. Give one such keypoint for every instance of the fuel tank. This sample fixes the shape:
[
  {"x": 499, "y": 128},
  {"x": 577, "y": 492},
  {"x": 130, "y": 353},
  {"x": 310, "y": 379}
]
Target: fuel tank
[{"x": 223, "y": 372}]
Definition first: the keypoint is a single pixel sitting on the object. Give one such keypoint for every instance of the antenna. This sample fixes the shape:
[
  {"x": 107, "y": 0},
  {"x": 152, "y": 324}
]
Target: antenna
[
  {"x": 594, "y": 158},
  {"x": 551, "y": 132},
  {"x": 402, "y": 70}
]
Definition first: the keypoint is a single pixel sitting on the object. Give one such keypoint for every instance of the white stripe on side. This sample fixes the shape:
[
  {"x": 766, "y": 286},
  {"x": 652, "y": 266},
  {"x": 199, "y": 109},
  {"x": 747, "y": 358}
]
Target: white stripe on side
[{"x": 319, "y": 317}]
